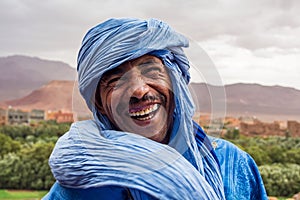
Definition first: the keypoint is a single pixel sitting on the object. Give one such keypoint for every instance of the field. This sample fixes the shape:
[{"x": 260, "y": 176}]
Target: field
[{"x": 21, "y": 194}]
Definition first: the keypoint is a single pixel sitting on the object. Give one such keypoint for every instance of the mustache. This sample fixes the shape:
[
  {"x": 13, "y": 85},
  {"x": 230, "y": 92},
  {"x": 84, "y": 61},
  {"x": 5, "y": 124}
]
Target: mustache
[
  {"x": 133, "y": 100},
  {"x": 147, "y": 97}
]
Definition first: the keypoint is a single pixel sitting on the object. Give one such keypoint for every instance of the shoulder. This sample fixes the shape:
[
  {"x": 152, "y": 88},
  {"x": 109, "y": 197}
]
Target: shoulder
[
  {"x": 225, "y": 147},
  {"x": 231, "y": 155},
  {"x": 240, "y": 173},
  {"x": 87, "y": 127},
  {"x": 71, "y": 146}
]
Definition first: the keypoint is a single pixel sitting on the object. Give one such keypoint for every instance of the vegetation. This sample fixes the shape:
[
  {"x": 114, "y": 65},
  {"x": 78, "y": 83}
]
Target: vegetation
[
  {"x": 278, "y": 159},
  {"x": 25, "y": 151},
  {"x": 24, "y": 155}
]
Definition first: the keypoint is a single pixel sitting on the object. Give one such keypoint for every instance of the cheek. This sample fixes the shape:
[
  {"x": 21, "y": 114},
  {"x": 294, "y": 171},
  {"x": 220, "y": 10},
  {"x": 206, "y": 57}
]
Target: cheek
[
  {"x": 113, "y": 100},
  {"x": 106, "y": 102}
]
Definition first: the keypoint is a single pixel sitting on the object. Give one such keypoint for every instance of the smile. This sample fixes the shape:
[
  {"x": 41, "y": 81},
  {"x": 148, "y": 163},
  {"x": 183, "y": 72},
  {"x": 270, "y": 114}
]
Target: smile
[{"x": 145, "y": 113}]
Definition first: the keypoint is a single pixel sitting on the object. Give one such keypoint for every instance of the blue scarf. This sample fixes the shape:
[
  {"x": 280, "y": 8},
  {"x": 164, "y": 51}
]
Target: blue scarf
[{"x": 92, "y": 154}]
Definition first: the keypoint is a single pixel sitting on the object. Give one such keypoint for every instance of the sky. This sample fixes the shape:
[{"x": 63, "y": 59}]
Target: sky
[{"x": 249, "y": 41}]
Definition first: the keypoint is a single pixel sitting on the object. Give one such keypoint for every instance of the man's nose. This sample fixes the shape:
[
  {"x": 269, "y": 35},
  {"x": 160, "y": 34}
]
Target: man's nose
[{"x": 138, "y": 87}]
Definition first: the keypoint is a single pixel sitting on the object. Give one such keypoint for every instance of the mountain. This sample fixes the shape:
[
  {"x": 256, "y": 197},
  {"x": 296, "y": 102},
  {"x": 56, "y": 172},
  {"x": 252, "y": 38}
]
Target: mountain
[
  {"x": 55, "y": 95},
  {"x": 27, "y": 83},
  {"x": 264, "y": 102},
  {"x": 22, "y": 74}
]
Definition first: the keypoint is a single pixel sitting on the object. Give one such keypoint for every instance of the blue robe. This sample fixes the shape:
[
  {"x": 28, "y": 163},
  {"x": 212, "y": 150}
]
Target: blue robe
[
  {"x": 87, "y": 162},
  {"x": 94, "y": 161},
  {"x": 241, "y": 178},
  {"x": 240, "y": 175}
]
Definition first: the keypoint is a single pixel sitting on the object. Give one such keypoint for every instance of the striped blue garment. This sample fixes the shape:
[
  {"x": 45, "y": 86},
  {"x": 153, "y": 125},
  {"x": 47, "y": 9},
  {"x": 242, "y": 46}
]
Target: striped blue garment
[{"x": 93, "y": 159}]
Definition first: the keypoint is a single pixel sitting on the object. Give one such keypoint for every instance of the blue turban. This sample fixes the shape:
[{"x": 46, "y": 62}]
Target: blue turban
[
  {"x": 116, "y": 41},
  {"x": 101, "y": 156}
]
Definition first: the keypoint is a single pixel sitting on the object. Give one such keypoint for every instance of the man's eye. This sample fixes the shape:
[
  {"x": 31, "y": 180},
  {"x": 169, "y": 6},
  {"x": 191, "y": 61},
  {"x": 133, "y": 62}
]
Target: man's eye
[
  {"x": 117, "y": 82},
  {"x": 112, "y": 82},
  {"x": 152, "y": 72}
]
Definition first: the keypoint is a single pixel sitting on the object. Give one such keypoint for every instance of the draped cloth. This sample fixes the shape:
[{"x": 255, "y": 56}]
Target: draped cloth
[
  {"x": 241, "y": 177},
  {"x": 93, "y": 155}
]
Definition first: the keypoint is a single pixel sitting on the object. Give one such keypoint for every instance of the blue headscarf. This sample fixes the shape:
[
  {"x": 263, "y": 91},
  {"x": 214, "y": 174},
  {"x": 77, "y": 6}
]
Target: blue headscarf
[{"x": 105, "y": 47}]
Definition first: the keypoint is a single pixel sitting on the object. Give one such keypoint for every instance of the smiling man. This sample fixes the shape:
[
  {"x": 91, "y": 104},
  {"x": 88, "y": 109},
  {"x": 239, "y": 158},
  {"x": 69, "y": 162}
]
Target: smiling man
[
  {"x": 137, "y": 97},
  {"x": 142, "y": 143}
]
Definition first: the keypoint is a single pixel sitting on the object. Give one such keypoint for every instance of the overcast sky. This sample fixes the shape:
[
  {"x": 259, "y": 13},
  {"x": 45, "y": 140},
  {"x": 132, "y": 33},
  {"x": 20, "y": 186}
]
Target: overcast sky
[{"x": 251, "y": 41}]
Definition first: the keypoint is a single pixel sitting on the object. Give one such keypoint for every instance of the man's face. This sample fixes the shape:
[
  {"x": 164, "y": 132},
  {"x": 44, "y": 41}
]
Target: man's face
[{"x": 137, "y": 97}]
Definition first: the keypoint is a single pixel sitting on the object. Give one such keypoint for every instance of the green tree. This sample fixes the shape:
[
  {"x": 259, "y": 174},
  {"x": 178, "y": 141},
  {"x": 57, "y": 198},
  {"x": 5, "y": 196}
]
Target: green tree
[
  {"x": 260, "y": 156},
  {"x": 281, "y": 179},
  {"x": 10, "y": 176},
  {"x": 28, "y": 168},
  {"x": 293, "y": 156},
  {"x": 8, "y": 145}
]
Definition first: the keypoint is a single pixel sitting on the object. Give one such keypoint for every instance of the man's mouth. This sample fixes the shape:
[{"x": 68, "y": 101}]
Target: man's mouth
[{"x": 144, "y": 113}]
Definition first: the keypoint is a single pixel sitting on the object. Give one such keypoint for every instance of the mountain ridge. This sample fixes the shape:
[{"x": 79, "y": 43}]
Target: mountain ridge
[
  {"x": 57, "y": 95},
  {"x": 22, "y": 74},
  {"x": 34, "y": 83}
]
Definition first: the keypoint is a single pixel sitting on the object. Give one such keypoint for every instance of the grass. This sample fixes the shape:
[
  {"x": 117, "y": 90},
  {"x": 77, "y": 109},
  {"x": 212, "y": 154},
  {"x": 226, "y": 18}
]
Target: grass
[
  {"x": 21, "y": 194},
  {"x": 35, "y": 195}
]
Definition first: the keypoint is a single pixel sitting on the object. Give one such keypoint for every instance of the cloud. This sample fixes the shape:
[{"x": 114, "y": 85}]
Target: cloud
[{"x": 268, "y": 66}]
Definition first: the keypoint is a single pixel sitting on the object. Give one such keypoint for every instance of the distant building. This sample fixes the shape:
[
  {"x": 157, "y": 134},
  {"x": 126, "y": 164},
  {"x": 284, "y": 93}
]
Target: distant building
[
  {"x": 258, "y": 128},
  {"x": 60, "y": 116},
  {"x": 17, "y": 116},
  {"x": 36, "y": 115},
  {"x": 293, "y": 128},
  {"x": 231, "y": 123},
  {"x": 248, "y": 119},
  {"x": 3, "y": 117}
]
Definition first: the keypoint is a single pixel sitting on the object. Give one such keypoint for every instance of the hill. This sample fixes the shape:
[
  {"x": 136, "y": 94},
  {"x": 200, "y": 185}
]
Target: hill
[
  {"x": 20, "y": 75},
  {"x": 55, "y": 95},
  {"x": 264, "y": 102}
]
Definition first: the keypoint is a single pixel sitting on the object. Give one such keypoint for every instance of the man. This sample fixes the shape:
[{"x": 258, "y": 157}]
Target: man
[{"x": 142, "y": 143}]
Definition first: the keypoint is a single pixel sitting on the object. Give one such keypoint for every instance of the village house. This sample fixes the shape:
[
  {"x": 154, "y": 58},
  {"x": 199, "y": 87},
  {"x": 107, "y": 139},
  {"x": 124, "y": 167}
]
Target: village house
[
  {"x": 276, "y": 128},
  {"x": 36, "y": 115},
  {"x": 3, "y": 117},
  {"x": 17, "y": 116},
  {"x": 60, "y": 116},
  {"x": 293, "y": 128}
]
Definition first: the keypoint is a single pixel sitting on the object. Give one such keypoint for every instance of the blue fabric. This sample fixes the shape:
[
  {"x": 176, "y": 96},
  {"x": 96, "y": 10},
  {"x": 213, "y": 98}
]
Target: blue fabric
[
  {"x": 71, "y": 157},
  {"x": 240, "y": 175},
  {"x": 105, "y": 47},
  {"x": 82, "y": 159},
  {"x": 93, "y": 159},
  {"x": 242, "y": 180},
  {"x": 59, "y": 192},
  {"x": 116, "y": 41}
]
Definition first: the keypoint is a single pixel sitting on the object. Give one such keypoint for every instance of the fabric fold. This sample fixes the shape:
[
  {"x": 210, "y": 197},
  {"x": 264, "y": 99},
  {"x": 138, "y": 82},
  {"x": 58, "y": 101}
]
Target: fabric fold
[{"x": 84, "y": 158}]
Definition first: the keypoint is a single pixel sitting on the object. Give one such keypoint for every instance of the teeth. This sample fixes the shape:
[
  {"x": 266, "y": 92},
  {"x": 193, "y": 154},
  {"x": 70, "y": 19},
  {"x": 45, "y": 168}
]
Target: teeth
[
  {"x": 144, "y": 112},
  {"x": 146, "y": 118}
]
